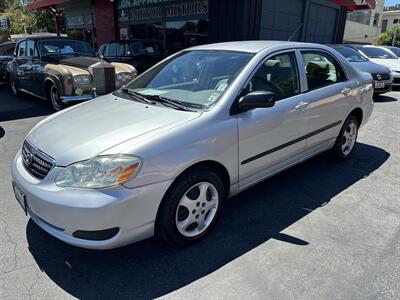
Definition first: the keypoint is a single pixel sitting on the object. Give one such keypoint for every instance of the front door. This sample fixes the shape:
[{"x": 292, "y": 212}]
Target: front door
[
  {"x": 20, "y": 65},
  {"x": 270, "y": 137}
]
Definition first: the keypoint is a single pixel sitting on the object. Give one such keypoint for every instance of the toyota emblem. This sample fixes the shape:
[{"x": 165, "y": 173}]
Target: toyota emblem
[{"x": 28, "y": 157}]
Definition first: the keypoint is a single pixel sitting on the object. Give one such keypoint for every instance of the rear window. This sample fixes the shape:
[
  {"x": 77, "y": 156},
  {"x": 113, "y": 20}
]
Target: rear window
[{"x": 7, "y": 49}]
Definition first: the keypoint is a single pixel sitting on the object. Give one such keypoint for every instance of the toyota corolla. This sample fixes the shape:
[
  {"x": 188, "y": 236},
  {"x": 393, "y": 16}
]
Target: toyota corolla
[{"x": 161, "y": 155}]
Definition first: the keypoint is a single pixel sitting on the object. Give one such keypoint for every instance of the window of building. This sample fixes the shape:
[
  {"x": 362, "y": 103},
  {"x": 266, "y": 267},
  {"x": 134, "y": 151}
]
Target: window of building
[
  {"x": 361, "y": 16},
  {"x": 395, "y": 21},
  {"x": 321, "y": 69},
  {"x": 384, "y": 26},
  {"x": 376, "y": 19},
  {"x": 278, "y": 75}
]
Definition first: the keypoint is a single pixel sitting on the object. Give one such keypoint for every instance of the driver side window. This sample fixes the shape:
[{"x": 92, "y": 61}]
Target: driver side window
[{"x": 278, "y": 75}]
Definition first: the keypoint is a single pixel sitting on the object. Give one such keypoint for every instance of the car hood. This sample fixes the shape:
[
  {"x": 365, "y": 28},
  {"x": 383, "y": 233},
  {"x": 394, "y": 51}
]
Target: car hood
[
  {"x": 88, "y": 129},
  {"x": 83, "y": 62},
  {"x": 393, "y": 64},
  {"x": 370, "y": 67}
]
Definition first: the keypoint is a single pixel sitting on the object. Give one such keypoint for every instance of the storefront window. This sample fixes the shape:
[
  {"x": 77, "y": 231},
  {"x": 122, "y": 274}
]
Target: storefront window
[{"x": 184, "y": 34}]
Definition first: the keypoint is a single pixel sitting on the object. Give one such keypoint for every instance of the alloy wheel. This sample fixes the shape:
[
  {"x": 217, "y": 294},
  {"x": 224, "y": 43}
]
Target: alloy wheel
[
  {"x": 349, "y": 138},
  {"x": 197, "y": 209}
]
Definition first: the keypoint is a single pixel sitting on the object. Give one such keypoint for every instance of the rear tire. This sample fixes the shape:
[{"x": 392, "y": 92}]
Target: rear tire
[
  {"x": 190, "y": 207},
  {"x": 346, "y": 140},
  {"x": 54, "y": 96}
]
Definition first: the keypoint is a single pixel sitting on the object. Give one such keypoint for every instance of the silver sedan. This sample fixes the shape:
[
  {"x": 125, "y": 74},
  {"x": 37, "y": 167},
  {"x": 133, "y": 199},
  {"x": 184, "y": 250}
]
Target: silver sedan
[{"x": 162, "y": 154}]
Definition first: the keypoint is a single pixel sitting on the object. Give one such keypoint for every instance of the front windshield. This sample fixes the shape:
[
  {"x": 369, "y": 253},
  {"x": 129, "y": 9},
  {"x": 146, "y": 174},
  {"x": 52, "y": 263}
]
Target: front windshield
[
  {"x": 64, "y": 47},
  {"x": 381, "y": 53},
  {"x": 194, "y": 78},
  {"x": 350, "y": 54}
]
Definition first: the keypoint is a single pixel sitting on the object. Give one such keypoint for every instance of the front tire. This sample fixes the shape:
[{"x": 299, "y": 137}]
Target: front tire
[
  {"x": 191, "y": 207},
  {"x": 346, "y": 140},
  {"x": 54, "y": 96}
]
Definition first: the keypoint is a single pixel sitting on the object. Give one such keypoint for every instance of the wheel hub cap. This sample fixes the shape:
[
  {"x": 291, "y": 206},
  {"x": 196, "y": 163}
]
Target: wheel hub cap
[
  {"x": 197, "y": 209},
  {"x": 349, "y": 138}
]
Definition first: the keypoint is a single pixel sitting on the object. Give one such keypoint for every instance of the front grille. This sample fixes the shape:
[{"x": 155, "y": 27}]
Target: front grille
[
  {"x": 36, "y": 162},
  {"x": 103, "y": 76},
  {"x": 381, "y": 76}
]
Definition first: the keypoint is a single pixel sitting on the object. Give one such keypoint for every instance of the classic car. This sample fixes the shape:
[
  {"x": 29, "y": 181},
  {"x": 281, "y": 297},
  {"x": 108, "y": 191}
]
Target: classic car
[
  {"x": 6, "y": 55},
  {"x": 141, "y": 54},
  {"x": 381, "y": 75},
  {"x": 381, "y": 56},
  {"x": 161, "y": 155},
  {"x": 64, "y": 70}
]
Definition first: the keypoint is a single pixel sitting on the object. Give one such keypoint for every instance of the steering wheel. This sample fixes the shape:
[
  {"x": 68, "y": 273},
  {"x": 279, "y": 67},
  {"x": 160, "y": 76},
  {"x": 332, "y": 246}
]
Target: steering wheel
[{"x": 274, "y": 87}]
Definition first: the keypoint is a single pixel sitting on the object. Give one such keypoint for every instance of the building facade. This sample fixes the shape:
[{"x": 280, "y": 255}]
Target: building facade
[
  {"x": 363, "y": 26},
  {"x": 390, "y": 19},
  {"x": 178, "y": 24}
]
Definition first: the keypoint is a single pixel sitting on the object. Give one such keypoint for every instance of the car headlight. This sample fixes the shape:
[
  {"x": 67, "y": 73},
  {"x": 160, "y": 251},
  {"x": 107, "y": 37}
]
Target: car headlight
[
  {"x": 99, "y": 172},
  {"x": 391, "y": 74},
  {"x": 125, "y": 77},
  {"x": 82, "y": 80}
]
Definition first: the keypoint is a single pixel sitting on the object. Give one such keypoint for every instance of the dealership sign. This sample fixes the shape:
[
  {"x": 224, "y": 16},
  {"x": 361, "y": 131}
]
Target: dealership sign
[
  {"x": 4, "y": 23},
  {"x": 138, "y": 3}
]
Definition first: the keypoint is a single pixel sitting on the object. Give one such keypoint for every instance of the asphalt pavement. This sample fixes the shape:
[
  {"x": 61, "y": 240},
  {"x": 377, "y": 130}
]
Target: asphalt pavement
[{"x": 321, "y": 230}]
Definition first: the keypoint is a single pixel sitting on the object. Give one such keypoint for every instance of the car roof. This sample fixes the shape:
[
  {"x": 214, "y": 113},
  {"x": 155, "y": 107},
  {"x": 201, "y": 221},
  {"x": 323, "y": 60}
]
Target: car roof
[
  {"x": 253, "y": 46},
  {"x": 8, "y": 43},
  {"x": 42, "y": 38}
]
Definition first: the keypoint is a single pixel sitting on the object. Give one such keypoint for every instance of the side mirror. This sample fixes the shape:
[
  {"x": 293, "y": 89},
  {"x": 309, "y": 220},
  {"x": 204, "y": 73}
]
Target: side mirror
[{"x": 257, "y": 99}]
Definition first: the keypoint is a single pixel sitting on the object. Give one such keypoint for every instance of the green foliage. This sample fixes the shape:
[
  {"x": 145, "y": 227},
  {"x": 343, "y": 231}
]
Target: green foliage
[
  {"x": 19, "y": 16},
  {"x": 385, "y": 39}
]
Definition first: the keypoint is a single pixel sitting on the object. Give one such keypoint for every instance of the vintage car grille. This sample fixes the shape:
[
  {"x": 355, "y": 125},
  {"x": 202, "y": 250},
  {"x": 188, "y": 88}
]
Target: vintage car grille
[
  {"x": 103, "y": 77},
  {"x": 35, "y": 162},
  {"x": 381, "y": 76}
]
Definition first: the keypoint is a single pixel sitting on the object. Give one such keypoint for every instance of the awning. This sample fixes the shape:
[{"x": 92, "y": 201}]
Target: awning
[
  {"x": 356, "y": 4},
  {"x": 43, "y": 4}
]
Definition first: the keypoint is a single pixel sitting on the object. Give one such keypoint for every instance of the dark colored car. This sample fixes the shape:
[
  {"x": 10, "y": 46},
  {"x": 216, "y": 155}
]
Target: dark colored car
[
  {"x": 63, "y": 70},
  {"x": 380, "y": 74},
  {"x": 6, "y": 55},
  {"x": 138, "y": 53},
  {"x": 395, "y": 50}
]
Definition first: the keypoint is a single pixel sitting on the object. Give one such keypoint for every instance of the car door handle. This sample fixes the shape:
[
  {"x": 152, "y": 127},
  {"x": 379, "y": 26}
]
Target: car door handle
[
  {"x": 301, "y": 106},
  {"x": 345, "y": 91}
]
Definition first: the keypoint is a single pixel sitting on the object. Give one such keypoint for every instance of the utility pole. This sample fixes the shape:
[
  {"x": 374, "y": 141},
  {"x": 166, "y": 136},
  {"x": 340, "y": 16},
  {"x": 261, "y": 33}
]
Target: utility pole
[{"x": 395, "y": 36}]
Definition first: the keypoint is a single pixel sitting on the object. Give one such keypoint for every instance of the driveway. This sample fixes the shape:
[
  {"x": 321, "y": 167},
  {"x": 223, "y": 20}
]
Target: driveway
[{"x": 321, "y": 230}]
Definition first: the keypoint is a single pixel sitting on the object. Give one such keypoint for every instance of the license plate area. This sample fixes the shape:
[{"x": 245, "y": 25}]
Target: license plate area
[
  {"x": 379, "y": 85},
  {"x": 21, "y": 198}
]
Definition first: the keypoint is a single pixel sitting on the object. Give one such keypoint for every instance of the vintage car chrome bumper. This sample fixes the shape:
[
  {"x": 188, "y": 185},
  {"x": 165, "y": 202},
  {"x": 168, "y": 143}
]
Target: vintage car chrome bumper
[{"x": 66, "y": 99}]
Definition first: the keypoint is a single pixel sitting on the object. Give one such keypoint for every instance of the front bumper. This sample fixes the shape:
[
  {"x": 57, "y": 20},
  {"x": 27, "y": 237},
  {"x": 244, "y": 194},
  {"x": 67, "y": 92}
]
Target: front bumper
[
  {"x": 396, "y": 80},
  {"x": 386, "y": 88},
  {"x": 64, "y": 211}
]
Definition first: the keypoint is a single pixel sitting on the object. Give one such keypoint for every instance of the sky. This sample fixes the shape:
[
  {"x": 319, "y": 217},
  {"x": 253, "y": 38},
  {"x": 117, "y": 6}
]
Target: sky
[{"x": 391, "y": 2}]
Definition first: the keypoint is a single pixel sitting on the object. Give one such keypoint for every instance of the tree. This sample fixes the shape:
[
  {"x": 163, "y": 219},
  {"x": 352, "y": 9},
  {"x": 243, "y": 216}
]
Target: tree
[{"x": 386, "y": 39}]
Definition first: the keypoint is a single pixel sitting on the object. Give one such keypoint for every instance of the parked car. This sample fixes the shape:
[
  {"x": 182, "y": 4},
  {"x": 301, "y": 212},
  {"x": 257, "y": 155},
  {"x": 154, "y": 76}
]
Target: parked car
[
  {"x": 161, "y": 155},
  {"x": 383, "y": 57},
  {"x": 395, "y": 50},
  {"x": 6, "y": 55},
  {"x": 63, "y": 70},
  {"x": 380, "y": 74},
  {"x": 138, "y": 53}
]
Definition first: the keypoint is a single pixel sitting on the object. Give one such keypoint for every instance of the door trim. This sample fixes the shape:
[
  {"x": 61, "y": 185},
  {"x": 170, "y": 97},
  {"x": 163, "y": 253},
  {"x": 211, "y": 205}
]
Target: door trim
[{"x": 280, "y": 147}]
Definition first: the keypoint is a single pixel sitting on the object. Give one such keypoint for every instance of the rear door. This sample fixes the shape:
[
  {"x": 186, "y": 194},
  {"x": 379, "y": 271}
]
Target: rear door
[{"x": 329, "y": 96}]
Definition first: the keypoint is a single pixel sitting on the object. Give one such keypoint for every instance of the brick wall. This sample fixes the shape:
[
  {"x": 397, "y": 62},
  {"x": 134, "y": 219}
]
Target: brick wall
[{"x": 105, "y": 23}]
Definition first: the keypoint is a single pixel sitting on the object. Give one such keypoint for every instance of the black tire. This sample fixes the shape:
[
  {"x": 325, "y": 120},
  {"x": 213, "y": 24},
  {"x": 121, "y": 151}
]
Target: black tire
[
  {"x": 13, "y": 86},
  {"x": 54, "y": 97},
  {"x": 337, "y": 152},
  {"x": 166, "y": 223}
]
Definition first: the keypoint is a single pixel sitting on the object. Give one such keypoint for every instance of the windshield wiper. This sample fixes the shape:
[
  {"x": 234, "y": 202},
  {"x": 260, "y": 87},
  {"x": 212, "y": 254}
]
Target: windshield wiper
[
  {"x": 171, "y": 102},
  {"x": 136, "y": 96}
]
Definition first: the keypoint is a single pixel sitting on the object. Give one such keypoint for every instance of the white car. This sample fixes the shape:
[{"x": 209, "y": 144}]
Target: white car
[{"x": 384, "y": 57}]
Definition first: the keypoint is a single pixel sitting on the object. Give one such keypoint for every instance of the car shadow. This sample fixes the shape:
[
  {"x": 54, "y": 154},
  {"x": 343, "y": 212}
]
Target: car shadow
[
  {"x": 384, "y": 98},
  {"x": 20, "y": 107},
  {"x": 150, "y": 268},
  {"x": 2, "y": 132}
]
